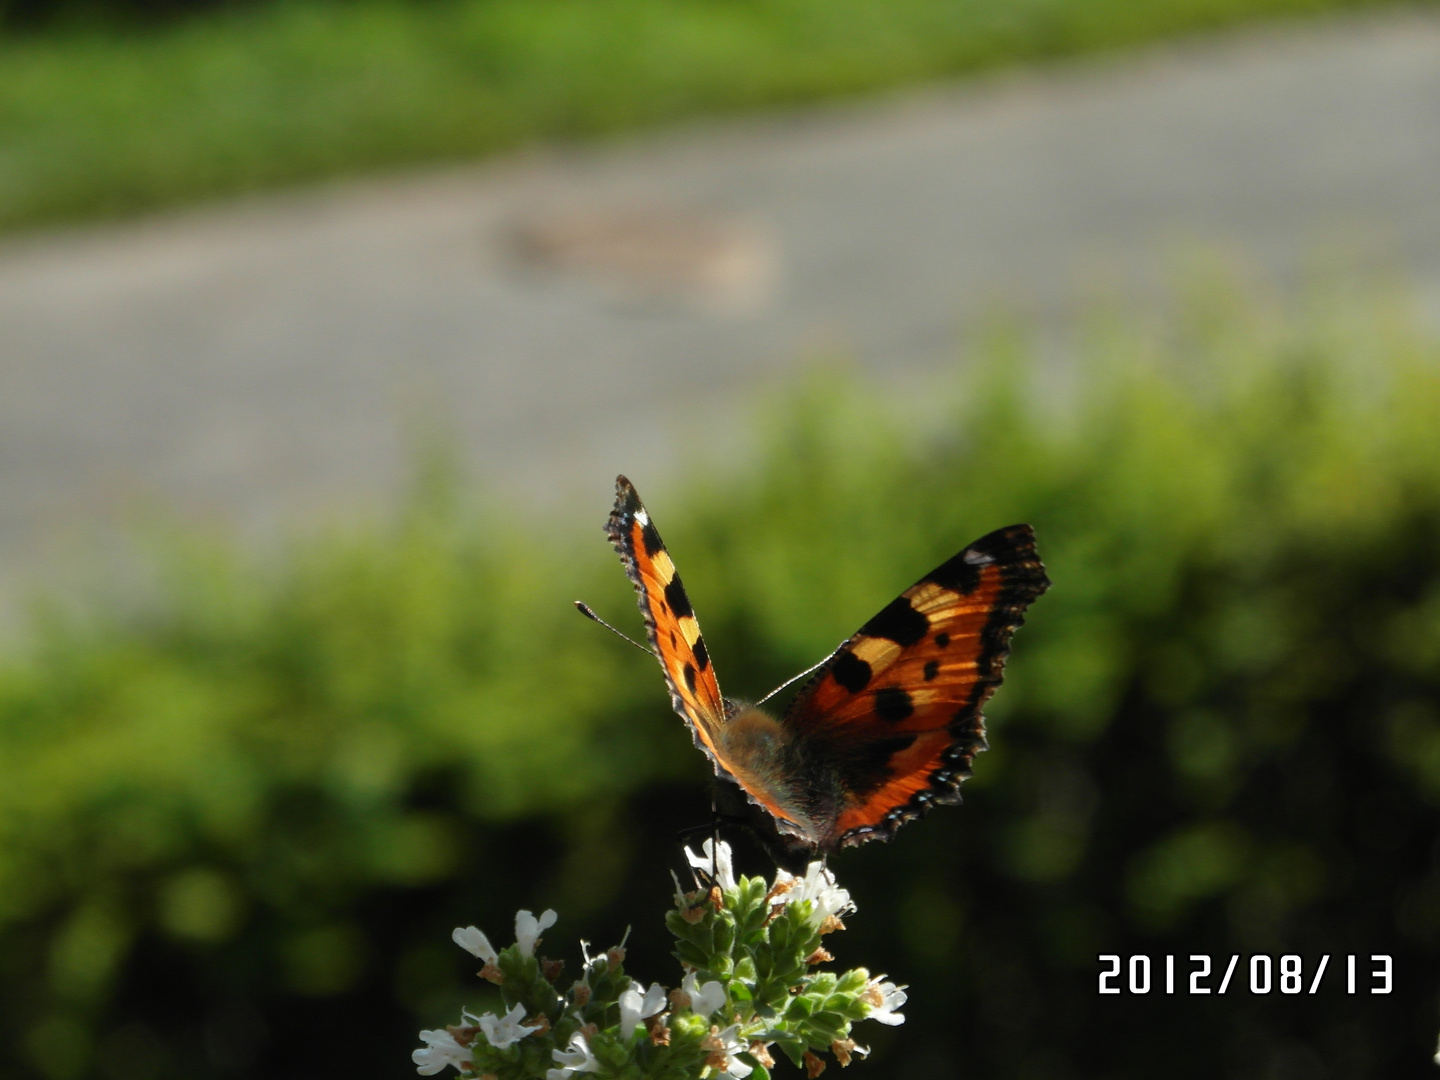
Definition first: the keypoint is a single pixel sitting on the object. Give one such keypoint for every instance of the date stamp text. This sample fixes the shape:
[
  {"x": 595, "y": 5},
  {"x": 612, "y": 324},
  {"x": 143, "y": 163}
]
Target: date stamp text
[{"x": 1259, "y": 973}]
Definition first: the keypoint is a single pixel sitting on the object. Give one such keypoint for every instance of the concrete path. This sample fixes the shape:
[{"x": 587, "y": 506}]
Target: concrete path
[{"x": 573, "y": 314}]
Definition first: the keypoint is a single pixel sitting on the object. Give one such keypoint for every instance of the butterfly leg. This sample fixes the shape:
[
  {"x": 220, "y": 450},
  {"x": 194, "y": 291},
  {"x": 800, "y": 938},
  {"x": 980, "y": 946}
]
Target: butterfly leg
[
  {"x": 714, "y": 837},
  {"x": 711, "y": 827}
]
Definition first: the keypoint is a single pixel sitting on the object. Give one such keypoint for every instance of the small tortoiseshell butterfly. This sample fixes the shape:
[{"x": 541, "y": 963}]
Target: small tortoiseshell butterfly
[{"x": 887, "y": 725}]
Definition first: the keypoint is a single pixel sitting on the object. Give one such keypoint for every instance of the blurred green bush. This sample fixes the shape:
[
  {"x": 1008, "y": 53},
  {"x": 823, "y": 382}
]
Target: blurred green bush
[
  {"x": 236, "y": 827},
  {"x": 100, "y": 115}
]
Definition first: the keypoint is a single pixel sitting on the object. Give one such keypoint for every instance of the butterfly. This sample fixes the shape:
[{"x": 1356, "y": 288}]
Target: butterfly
[{"x": 886, "y": 726}]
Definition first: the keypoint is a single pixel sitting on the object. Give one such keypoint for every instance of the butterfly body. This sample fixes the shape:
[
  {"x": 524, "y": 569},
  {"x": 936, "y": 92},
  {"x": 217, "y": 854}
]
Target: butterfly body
[
  {"x": 778, "y": 768},
  {"x": 884, "y": 729}
]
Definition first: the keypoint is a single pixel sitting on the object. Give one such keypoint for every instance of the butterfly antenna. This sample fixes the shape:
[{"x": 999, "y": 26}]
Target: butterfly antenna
[
  {"x": 792, "y": 679},
  {"x": 584, "y": 609}
]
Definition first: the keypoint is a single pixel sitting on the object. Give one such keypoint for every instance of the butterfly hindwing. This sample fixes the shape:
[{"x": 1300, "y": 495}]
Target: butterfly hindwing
[
  {"x": 670, "y": 621},
  {"x": 893, "y": 719}
]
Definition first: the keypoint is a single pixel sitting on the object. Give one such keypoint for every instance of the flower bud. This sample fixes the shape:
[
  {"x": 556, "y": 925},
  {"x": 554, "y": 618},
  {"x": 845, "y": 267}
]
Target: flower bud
[
  {"x": 656, "y": 1028},
  {"x": 462, "y": 1034},
  {"x": 714, "y": 1048}
]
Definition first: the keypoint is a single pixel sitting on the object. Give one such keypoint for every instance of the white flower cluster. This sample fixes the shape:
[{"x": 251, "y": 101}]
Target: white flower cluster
[
  {"x": 884, "y": 997},
  {"x": 638, "y": 1004},
  {"x": 442, "y": 1047},
  {"x": 716, "y": 861},
  {"x": 818, "y": 884},
  {"x": 693, "y": 1018},
  {"x": 527, "y": 932},
  {"x": 706, "y": 999},
  {"x": 828, "y": 901},
  {"x": 577, "y": 1059},
  {"x": 726, "y": 1046}
]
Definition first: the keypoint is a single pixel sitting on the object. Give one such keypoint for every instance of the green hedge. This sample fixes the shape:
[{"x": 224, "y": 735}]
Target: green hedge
[
  {"x": 96, "y": 122},
  {"x": 270, "y": 795}
]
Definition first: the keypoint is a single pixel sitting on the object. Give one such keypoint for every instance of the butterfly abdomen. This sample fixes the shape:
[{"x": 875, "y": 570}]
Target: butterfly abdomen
[{"x": 762, "y": 753}]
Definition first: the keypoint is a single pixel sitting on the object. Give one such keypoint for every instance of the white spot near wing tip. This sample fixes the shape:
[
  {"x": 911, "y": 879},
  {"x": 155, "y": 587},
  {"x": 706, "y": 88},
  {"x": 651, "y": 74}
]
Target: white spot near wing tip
[
  {"x": 642, "y": 517},
  {"x": 978, "y": 558}
]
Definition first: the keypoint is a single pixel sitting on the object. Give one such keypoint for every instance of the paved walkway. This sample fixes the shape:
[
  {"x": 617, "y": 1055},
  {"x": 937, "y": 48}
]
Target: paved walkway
[{"x": 573, "y": 314}]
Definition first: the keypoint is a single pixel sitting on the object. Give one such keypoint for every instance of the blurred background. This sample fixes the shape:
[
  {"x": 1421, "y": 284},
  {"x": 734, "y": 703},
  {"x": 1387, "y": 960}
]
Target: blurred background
[{"x": 325, "y": 326}]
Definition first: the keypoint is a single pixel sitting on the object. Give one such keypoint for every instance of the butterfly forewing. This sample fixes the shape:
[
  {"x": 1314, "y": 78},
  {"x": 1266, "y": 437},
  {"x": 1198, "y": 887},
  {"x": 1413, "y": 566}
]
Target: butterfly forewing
[
  {"x": 895, "y": 712},
  {"x": 670, "y": 621}
]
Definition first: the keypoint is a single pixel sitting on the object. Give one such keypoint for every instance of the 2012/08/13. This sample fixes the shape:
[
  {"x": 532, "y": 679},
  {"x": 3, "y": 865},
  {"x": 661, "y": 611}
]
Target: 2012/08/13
[{"x": 1262, "y": 974}]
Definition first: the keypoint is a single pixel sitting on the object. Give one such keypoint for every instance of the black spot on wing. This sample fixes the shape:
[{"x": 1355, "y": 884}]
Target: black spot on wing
[
  {"x": 899, "y": 622},
  {"x": 942, "y": 639},
  {"x": 867, "y": 767},
  {"x": 957, "y": 574},
  {"x": 932, "y": 669},
  {"x": 702, "y": 654},
  {"x": 1014, "y": 543},
  {"x": 675, "y": 597},
  {"x": 851, "y": 672},
  {"x": 1009, "y": 547},
  {"x": 650, "y": 537},
  {"x": 690, "y": 676},
  {"x": 893, "y": 704}
]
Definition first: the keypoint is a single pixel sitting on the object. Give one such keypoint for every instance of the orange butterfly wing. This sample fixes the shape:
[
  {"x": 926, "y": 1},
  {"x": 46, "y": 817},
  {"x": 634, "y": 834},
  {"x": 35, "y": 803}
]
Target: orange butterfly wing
[
  {"x": 670, "y": 621},
  {"x": 674, "y": 635},
  {"x": 890, "y": 724}
]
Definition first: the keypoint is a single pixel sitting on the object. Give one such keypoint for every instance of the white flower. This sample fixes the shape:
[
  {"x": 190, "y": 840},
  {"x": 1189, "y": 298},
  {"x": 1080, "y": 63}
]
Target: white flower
[
  {"x": 528, "y": 929},
  {"x": 577, "y": 1059},
  {"x": 638, "y": 1004},
  {"x": 883, "y": 998},
  {"x": 503, "y": 1031},
  {"x": 440, "y": 1049},
  {"x": 680, "y": 899},
  {"x": 475, "y": 943},
  {"x": 704, "y": 1000},
  {"x": 715, "y": 859},
  {"x": 730, "y": 1045},
  {"x": 819, "y": 887}
]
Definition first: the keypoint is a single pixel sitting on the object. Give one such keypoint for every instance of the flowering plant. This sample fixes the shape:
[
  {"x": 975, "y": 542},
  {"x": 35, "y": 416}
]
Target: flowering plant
[{"x": 750, "y": 952}]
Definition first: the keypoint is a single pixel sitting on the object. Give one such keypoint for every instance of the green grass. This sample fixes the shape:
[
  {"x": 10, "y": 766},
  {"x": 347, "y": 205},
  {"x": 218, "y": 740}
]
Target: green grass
[{"x": 105, "y": 124}]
